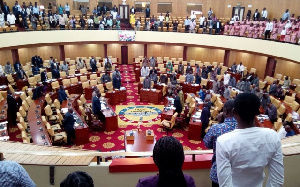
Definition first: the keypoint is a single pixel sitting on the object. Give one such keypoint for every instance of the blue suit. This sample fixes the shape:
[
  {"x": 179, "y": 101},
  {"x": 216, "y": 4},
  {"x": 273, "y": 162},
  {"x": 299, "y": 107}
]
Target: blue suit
[
  {"x": 205, "y": 115},
  {"x": 96, "y": 105},
  {"x": 62, "y": 95}
]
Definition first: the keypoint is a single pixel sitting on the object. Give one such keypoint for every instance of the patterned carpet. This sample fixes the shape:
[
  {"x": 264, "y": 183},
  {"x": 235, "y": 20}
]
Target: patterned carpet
[{"x": 114, "y": 141}]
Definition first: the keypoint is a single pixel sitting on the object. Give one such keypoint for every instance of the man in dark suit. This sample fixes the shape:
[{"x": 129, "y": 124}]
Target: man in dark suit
[
  {"x": 180, "y": 68},
  {"x": 17, "y": 65},
  {"x": 104, "y": 9},
  {"x": 39, "y": 62},
  {"x": 34, "y": 60},
  {"x": 21, "y": 73},
  {"x": 177, "y": 104},
  {"x": 96, "y": 107},
  {"x": 44, "y": 76},
  {"x": 256, "y": 15},
  {"x": 62, "y": 95},
  {"x": 205, "y": 115},
  {"x": 153, "y": 70},
  {"x": 35, "y": 70},
  {"x": 11, "y": 109},
  {"x": 5, "y": 10},
  {"x": 115, "y": 9},
  {"x": 163, "y": 79},
  {"x": 69, "y": 125},
  {"x": 218, "y": 26},
  {"x": 147, "y": 12},
  {"x": 93, "y": 64},
  {"x": 132, "y": 10},
  {"x": 189, "y": 69},
  {"x": 117, "y": 82}
]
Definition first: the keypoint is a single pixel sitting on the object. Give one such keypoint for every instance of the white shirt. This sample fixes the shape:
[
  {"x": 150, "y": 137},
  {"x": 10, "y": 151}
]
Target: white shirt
[
  {"x": 67, "y": 8},
  {"x": 240, "y": 68},
  {"x": 11, "y": 19},
  {"x": 201, "y": 19},
  {"x": 281, "y": 132},
  {"x": 114, "y": 14},
  {"x": 283, "y": 32},
  {"x": 236, "y": 18},
  {"x": 264, "y": 14},
  {"x": 226, "y": 78},
  {"x": 35, "y": 10},
  {"x": 145, "y": 72},
  {"x": 243, "y": 154},
  {"x": 269, "y": 26},
  {"x": 161, "y": 18},
  {"x": 193, "y": 16}
]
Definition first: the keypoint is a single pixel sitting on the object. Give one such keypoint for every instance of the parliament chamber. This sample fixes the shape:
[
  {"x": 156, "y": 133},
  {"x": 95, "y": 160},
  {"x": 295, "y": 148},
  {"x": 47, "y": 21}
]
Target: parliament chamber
[{"x": 134, "y": 114}]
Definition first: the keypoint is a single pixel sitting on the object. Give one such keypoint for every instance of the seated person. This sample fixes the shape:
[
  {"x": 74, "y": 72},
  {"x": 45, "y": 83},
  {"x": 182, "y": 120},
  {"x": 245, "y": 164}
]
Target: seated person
[
  {"x": 255, "y": 81},
  {"x": 170, "y": 172},
  {"x": 105, "y": 78},
  {"x": 202, "y": 94},
  {"x": 44, "y": 76},
  {"x": 273, "y": 88},
  {"x": 279, "y": 92},
  {"x": 241, "y": 85},
  {"x": 286, "y": 83},
  {"x": 147, "y": 83},
  {"x": 62, "y": 95},
  {"x": 117, "y": 82},
  {"x": 8, "y": 69},
  {"x": 271, "y": 111},
  {"x": 37, "y": 93},
  {"x": 265, "y": 100},
  {"x": 13, "y": 174},
  {"x": 289, "y": 131},
  {"x": 78, "y": 179},
  {"x": 153, "y": 77},
  {"x": 232, "y": 81}
]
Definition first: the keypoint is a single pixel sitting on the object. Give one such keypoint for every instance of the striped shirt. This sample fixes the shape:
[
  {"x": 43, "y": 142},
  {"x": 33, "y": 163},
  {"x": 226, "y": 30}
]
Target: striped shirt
[{"x": 13, "y": 174}]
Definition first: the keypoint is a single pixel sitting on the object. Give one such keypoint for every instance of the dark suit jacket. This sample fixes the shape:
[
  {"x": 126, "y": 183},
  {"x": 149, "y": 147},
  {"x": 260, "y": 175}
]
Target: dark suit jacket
[
  {"x": 177, "y": 105},
  {"x": 104, "y": 9},
  {"x": 17, "y": 66},
  {"x": 39, "y": 62},
  {"x": 24, "y": 15},
  {"x": 62, "y": 95},
  {"x": 19, "y": 74},
  {"x": 69, "y": 121},
  {"x": 155, "y": 71},
  {"x": 181, "y": 69},
  {"x": 115, "y": 9},
  {"x": 188, "y": 69},
  {"x": 163, "y": 79},
  {"x": 33, "y": 60},
  {"x": 12, "y": 105},
  {"x": 131, "y": 10},
  {"x": 117, "y": 82},
  {"x": 43, "y": 76},
  {"x": 147, "y": 12},
  {"x": 205, "y": 115},
  {"x": 96, "y": 105},
  {"x": 5, "y": 11},
  {"x": 257, "y": 15}
]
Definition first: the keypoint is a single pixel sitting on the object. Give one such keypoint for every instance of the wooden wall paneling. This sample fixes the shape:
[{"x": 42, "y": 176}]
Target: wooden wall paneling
[
  {"x": 84, "y": 50},
  {"x": 205, "y": 54},
  {"x": 165, "y": 51},
  {"x": 44, "y": 52},
  {"x": 115, "y": 51},
  {"x": 250, "y": 61},
  {"x": 135, "y": 50},
  {"x": 287, "y": 68},
  {"x": 5, "y": 56}
]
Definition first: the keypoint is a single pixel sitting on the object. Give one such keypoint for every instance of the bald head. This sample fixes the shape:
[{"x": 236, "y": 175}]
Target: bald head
[
  {"x": 70, "y": 110},
  {"x": 228, "y": 108}
]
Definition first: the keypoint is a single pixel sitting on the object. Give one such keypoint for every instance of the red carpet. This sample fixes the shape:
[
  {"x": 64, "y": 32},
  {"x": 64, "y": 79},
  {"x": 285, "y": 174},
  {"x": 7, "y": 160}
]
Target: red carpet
[{"x": 114, "y": 141}]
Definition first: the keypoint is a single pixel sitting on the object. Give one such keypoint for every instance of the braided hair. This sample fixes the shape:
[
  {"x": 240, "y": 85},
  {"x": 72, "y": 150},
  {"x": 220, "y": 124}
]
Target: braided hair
[
  {"x": 77, "y": 179},
  {"x": 168, "y": 155}
]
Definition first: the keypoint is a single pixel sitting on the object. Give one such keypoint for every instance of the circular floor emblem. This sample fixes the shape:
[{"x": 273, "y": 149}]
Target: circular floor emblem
[{"x": 144, "y": 114}]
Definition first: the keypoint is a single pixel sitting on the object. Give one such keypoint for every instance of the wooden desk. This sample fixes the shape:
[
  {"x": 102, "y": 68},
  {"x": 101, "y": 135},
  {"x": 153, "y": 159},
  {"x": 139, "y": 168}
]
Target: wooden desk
[
  {"x": 88, "y": 92},
  {"x": 81, "y": 131},
  {"x": 237, "y": 76},
  {"x": 111, "y": 118},
  {"x": 195, "y": 127},
  {"x": 151, "y": 96},
  {"x": 116, "y": 96},
  {"x": 139, "y": 144},
  {"x": 189, "y": 88},
  {"x": 21, "y": 84},
  {"x": 3, "y": 80},
  {"x": 38, "y": 130}
]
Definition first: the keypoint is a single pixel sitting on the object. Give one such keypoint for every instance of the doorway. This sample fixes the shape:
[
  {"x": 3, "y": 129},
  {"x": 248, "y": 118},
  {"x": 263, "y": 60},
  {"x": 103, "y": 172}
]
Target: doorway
[
  {"x": 239, "y": 11},
  {"x": 124, "y": 13},
  {"x": 124, "y": 54}
]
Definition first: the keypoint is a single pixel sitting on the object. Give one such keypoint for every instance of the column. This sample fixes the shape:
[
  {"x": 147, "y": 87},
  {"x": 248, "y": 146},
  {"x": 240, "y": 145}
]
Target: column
[
  {"x": 145, "y": 50},
  {"x": 184, "y": 55},
  {"x": 226, "y": 58},
  {"x": 62, "y": 52},
  {"x": 15, "y": 55},
  {"x": 105, "y": 50},
  {"x": 270, "y": 67}
]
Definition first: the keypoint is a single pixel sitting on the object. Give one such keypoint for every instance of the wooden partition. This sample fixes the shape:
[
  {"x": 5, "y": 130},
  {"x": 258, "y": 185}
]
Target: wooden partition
[
  {"x": 84, "y": 50},
  {"x": 44, "y": 52},
  {"x": 166, "y": 50},
  {"x": 134, "y": 50},
  {"x": 288, "y": 68},
  {"x": 5, "y": 56},
  {"x": 205, "y": 54},
  {"x": 250, "y": 61}
]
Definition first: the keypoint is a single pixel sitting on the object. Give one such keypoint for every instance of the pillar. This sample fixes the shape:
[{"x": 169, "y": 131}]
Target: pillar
[
  {"x": 15, "y": 55},
  {"x": 105, "y": 50},
  {"x": 184, "y": 55},
  {"x": 145, "y": 50},
  {"x": 226, "y": 58},
  {"x": 62, "y": 52},
  {"x": 270, "y": 67}
]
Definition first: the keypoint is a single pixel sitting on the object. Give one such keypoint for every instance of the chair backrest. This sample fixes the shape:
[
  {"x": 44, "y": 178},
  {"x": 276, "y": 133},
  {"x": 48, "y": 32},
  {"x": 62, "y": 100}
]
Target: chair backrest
[
  {"x": 82, "y": 71},
  {"x": 29, "y": 100},
  {"x": 20, "y": 127},
  {"x": 81, "y": 109},
  {"x": 79, "y": 103},
  {"x": 71, "y": 72},
  {"x": 48, "y": 99},
  {"x": 83, "y": 78},
  {"x": 23, "y": 96},
  {"x": 93, "y": 77},
  {"x": 278, "y": 76},
  {"x": 48, "y": 110},
  {"x": 85, "y": 85},
  {"x": 22, "y": 112},
  {"x": 25, "y": 105},
  {"x": 66, "y": 82},
  {"x": 278, "y": 124},
  {"x": 109, "y": 85},
  {"x": 295, "y": 105},
  {"x": 173, "y": 119},
  {"x": 56, "y": 103},
  {"x": 63, "y": 74},
  {"x": 44, "y": 120},
  {"x": 281, "y": 110},
  {"x": 55, "y": 85},
  {"x": 51, "y": 132},
  {"x": 74, "y": 80},
  {"x": 93, "y": 82},
  {"x": 277, "y": 103},
  {"x": 11, "y": 88},
  {"x": 82, "y": 99}
]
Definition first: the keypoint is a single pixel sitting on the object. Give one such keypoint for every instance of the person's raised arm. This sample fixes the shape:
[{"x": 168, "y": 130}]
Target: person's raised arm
[{"x": 223, "y": 166}]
